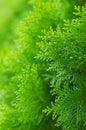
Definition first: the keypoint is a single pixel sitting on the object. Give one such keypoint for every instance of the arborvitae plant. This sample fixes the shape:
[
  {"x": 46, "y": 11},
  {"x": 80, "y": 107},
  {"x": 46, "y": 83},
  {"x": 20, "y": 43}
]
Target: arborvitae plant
[
  {"x": 32, "y": 92},
  {"x": 65, "y": 51},
  {"x": 38, "y": 62}
]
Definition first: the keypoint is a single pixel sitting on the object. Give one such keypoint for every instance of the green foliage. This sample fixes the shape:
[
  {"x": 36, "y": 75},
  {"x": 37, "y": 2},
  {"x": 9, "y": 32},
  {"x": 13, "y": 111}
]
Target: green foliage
[
  {"x": 46, "y": 68},
  {"x": 65, "y": 51},
  {"x": 35, "y": 94}
]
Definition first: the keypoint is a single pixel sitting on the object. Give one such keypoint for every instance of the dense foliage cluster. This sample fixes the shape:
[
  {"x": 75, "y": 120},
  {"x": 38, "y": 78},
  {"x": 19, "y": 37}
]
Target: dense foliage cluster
[
  {"x": 43, "y": 80},
  {"x": 65, "y": 50}
]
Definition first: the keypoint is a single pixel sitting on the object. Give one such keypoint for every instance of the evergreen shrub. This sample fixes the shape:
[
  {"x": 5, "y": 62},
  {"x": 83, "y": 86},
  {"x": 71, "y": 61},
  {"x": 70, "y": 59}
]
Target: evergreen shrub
[{"x": 45, "y": 74}]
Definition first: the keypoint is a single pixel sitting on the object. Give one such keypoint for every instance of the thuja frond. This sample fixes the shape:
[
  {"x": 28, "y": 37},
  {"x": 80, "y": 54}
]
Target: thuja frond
[
  {"x": 48, "y": 65},
  {"x": 65, "y": 50}
]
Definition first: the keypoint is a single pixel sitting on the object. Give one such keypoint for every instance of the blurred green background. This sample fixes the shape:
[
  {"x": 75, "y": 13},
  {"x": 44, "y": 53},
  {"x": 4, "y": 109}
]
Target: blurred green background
[{"x": 11, "y": 13}]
